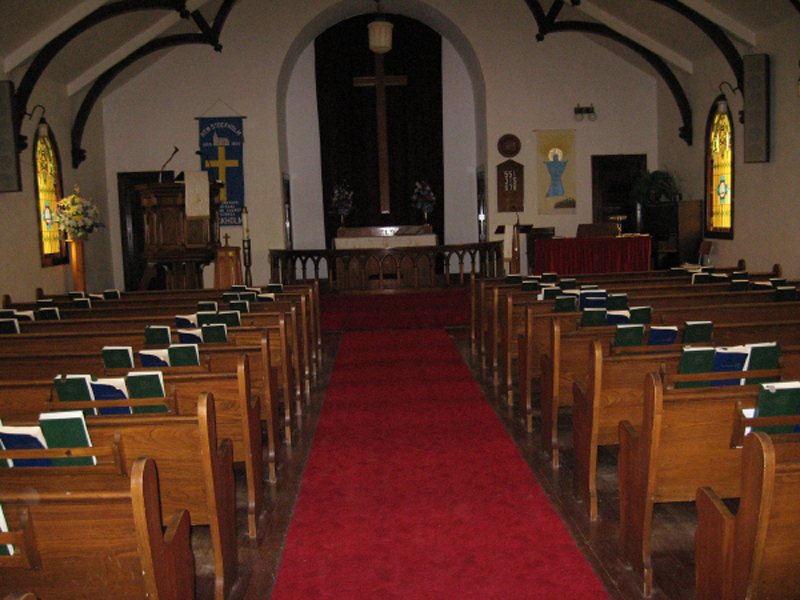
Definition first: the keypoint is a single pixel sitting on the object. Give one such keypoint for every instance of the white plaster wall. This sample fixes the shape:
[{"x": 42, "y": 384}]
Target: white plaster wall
[{"x": 529, "y": 85}]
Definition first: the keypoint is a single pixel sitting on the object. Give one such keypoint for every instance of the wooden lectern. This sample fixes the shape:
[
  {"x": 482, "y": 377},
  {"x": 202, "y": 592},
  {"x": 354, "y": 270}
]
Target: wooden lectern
[{"x": 180, "y": 244}]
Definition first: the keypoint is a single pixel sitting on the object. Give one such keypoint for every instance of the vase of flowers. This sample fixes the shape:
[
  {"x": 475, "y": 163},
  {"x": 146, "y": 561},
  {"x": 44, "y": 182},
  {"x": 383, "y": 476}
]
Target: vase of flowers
[
  {"x": 423, "y": 198},
  {"x": 77, "y": 217},
  {"x": 342, "y": 200}
]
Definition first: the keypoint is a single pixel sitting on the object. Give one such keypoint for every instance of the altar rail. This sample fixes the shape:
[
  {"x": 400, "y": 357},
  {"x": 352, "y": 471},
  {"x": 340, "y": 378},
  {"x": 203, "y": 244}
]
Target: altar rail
[{"x": 388, "y": 268}]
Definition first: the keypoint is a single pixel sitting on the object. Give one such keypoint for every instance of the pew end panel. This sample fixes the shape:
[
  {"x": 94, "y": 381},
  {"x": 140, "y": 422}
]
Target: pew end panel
[
  {"x": 758, "y": 544},
  {"x": 115, "y": 546}
]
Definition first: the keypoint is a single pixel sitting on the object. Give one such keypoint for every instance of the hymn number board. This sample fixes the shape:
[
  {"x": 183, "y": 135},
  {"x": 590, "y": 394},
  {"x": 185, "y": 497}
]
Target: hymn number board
[{"x": 510, "y": 187}]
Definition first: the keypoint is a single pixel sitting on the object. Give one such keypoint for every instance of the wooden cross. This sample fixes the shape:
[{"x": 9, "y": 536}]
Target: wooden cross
[{"x": 380, "y": 81}]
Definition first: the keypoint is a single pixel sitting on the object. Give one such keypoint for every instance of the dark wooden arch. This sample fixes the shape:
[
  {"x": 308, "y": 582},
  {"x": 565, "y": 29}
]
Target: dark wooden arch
[
  {"x": 54, "y": 46},
  {"x": 547, "y": 24}
]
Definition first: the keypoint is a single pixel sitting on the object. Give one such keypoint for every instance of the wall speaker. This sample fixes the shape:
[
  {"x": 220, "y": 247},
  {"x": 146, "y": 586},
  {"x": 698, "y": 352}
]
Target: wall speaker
[
  {"x": 10, "y": 178},
  {"x": 756, "y": 108}
]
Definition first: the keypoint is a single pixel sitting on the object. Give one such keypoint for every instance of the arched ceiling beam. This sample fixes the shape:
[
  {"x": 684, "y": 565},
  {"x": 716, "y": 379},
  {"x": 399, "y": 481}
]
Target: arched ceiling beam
[
  {"x": 209, "y": 36},
  {"x": 655, "y": 61},
  {"x": 100, "y": 84},
  {"x": 715, "y": 34},
  {"x": 52, "y": 48},
  {"x": 547, "y": 24},
  {"x": 94, "y": 71}
]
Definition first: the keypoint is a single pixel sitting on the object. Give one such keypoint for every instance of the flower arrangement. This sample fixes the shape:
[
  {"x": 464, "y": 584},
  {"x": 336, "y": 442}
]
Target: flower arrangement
[
  {"x": 342, "y": 200},
  {"x": 76, "y": 216},
  {"x": 423, "y": 197}
]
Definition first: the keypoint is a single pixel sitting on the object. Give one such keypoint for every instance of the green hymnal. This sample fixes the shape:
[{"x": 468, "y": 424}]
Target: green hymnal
[
  {"x": 82, "y": 302},
  {"x": 629, "y": 335},
  {"x": 763, "y": 356},
  {"x": 593, "y": 317},
  {"x": 207, "y": 306},
  {"x": 231, "y": 318},
  {"x": 112, "y": 294},
  {"x": 184, "y": 355},
  {"x": 549, "y": 277},
  {"x": 146, "y": 384},
  {"x": 514, "y": 279},
  {"x": 701, "y": 278},
  {"x": 777, "y": 400},
  {"x": 695, "y": 360},
  {"x": 216, "y": 333},
  {"x": 206, "y": 318},
  {"x": 566, "y": 304},
  {"x": 275, "y": 288},
  {"x": 49, "y": 313},
  {"x": 617, "y": 302},
  {"x": 740, "y": 285},
  {"x": 785, "y": 293},
  {"x": 230, "y": 296},
  {"x": 73, "y": 387},
  {"x": 568, "y": 283},
  {"x": 697, "y": 332},
  {"x": 527, "y": 286},
  {"x": 157, "y": 335},
  {"x": 66, "y": 429},
  {"x": 9, "y": 326},
  {"x": 550, "y": 293},
  {"x": 117, "y": 357},
  {"x": 243, "y": 306}
]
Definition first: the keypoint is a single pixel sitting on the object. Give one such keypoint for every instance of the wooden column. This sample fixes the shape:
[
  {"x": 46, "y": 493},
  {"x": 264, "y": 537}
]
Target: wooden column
[{"x": 76, "y": 257}]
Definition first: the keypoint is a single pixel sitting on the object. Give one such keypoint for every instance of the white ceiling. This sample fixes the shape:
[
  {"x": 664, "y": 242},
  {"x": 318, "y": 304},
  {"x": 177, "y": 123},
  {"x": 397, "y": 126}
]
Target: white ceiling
[{"x": 28, "y": 24}]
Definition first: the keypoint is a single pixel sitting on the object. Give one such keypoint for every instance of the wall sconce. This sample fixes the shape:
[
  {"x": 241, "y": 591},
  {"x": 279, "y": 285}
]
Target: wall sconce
[
  {"x": 380, "y": 32},
  {"x": 42, "y": 129},
  {"x": 580, "y": 111},
  {"x": 722, "y": 101}
]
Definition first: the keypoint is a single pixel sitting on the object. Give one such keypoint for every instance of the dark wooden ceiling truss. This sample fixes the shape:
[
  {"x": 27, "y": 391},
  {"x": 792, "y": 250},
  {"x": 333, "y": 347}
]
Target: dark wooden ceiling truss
[
  {"x": 548, "y": 23},
  {"x": 209, "y": 35}
]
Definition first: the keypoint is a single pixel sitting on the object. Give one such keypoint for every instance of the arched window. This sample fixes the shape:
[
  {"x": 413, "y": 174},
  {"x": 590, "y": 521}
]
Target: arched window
[
  {"x": 47, "y": 166},
  {"x": 719, "y": 171}
]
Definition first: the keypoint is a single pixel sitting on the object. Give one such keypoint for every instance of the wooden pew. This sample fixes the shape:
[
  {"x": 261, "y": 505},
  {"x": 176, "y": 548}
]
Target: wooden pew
[
  {"x": 237, "y": 411},
  {"x": 684, "y": 443},
  {"x": 753, "y": 554},
  {"x": 195, "y": 472},
  {"x": 286, "y": 338},
  {"x": 276, "y": 347},
  {"x": 566, "y": 360},
  {"x": 98, "y": 539},
  {"x": 520, "y": 316},
  {"x": 613, "y": 393}
]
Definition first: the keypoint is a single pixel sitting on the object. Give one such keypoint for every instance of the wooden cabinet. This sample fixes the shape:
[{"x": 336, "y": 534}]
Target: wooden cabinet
[{"x": 676, "y": 229}]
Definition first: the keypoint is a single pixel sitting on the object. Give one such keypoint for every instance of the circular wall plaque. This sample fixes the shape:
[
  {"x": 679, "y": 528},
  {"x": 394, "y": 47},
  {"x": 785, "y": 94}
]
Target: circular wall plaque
[{"x": 508, "y": 145}]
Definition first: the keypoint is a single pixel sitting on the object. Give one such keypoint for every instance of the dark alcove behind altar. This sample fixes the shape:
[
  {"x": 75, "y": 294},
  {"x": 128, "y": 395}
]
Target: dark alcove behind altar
[{"x": 348, "y": 123}]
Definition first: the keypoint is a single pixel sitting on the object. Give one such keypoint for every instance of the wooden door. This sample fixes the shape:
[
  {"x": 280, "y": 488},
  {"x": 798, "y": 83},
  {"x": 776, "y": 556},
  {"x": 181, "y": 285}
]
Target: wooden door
[{"x": 613, "y": 178}]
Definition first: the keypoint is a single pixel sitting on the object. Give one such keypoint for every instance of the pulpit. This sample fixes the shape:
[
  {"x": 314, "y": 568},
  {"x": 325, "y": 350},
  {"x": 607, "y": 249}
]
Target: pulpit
[
  {"x": 384, "y": 257},
  {"x": 178, "y": 241}
]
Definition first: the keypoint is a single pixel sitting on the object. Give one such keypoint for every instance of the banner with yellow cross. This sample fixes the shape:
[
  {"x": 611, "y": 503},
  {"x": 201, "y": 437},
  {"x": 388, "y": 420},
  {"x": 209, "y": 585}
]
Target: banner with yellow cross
[{"x": 221, "y": 151}]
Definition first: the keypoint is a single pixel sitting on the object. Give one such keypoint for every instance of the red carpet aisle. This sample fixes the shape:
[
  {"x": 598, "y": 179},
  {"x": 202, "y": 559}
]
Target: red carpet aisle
[
  {"x": 402, "y": 310},
  {"x": 414, "y": 490}
]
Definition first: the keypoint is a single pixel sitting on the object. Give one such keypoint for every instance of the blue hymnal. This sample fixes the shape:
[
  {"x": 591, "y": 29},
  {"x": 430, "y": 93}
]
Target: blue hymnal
[
  {"x": 661, "y": 336},
  {"x": 732, "y": 358},
  {"x": 190, "y": 336},
  {"x": 154, "y": 358},
  {"x": 24, "y": 438},
  {"x": 617, "y": 317}
]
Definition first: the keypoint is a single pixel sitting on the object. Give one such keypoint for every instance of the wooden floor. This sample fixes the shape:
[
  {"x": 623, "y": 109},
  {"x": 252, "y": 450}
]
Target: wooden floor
[{"x": 673, "y": 524}]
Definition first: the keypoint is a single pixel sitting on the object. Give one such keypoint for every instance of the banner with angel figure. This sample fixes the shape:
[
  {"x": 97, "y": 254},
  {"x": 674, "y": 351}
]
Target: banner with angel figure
[{"x": 556, "y": 171}]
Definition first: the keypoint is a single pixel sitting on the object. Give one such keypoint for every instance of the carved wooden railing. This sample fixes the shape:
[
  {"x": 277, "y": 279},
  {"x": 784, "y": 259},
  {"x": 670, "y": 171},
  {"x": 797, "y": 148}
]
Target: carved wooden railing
[{"x": 385, "y": 268}]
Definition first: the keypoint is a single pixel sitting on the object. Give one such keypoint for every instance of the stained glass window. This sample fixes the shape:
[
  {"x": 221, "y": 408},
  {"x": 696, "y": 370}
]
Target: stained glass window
[
  {"x": 48, "y": 193},
  {"x": 719, "y": 176}
]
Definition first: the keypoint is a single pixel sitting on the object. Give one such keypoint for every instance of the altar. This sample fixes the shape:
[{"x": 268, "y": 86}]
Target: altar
[
  {"x": 384, "y": 257},
  {"x": 348, "y": 238}
]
